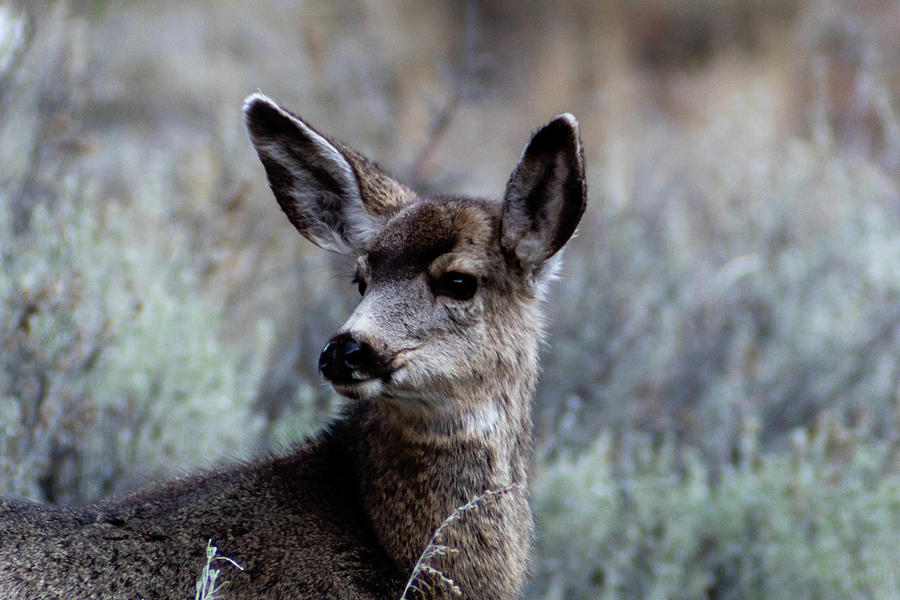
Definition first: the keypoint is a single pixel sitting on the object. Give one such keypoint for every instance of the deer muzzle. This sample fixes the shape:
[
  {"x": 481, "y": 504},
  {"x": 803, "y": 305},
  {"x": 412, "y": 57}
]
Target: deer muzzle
[{"x": 345, "y": 360}]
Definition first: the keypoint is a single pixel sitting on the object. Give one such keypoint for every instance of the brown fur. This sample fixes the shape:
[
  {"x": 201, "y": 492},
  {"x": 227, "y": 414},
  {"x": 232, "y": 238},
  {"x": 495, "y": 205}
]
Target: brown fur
[{"x": 439, "y": 412}]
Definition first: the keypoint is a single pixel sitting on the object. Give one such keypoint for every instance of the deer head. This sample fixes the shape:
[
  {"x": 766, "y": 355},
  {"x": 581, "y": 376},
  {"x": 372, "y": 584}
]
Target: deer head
[{"x": 449, "y": 318}]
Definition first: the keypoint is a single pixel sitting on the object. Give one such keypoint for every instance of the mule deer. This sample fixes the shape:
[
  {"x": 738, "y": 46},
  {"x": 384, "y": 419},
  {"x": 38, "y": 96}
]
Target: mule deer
[{"x": 439, "y": 363}]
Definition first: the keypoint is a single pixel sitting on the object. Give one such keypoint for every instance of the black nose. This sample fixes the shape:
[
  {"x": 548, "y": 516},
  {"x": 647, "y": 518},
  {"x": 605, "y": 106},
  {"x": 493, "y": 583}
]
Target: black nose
[{"x": 345, "y": 360}]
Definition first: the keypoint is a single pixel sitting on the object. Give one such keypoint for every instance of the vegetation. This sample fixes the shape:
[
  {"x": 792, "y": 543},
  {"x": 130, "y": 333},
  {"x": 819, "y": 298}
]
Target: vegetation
[
  {"x": 208, "y": 585},
  {"x": 639, "y": 518},
  {"x": 719, "y": 414}
]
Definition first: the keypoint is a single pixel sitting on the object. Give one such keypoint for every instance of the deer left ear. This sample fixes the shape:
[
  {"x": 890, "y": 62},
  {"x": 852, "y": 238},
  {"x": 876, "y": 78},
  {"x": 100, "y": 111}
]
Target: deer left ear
[
  {"x": 335, "y": 197},
  {"x": 546, "y": 194}
]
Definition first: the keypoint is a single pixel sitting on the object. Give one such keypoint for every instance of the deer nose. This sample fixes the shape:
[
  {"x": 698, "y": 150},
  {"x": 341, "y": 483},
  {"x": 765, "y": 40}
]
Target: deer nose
[{"x": 343, "y": 356}]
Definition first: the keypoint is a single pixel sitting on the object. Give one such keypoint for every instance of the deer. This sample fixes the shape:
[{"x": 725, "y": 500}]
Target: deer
[{"x": 438, "y": 366}]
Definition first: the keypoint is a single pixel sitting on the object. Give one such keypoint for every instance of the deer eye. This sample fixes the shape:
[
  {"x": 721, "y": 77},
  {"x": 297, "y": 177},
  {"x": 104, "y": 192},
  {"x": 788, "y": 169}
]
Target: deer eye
[
  {"x": 458, "y": 286},
  {"x": 360, "y": 284}
]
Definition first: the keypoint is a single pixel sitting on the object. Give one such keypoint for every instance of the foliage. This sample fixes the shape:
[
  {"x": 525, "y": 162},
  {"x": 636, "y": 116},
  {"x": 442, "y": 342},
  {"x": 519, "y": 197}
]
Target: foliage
[
  {"x": 755, "y": 276},
  {"x": 634, "y": 518},
  {"x": 112, "y": 361},
  {"x": 114, "y": 365}
]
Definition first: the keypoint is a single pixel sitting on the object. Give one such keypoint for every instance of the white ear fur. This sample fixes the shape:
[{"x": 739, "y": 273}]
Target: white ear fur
[{"x": 313, "y": 181}]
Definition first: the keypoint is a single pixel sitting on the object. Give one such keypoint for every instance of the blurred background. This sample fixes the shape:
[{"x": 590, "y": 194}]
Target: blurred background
[{"x": 719, "y": 414}]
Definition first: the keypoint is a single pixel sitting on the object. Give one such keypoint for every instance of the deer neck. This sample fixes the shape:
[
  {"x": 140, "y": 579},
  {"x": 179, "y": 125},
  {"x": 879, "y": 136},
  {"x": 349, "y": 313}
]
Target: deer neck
[{"x": 415, "y": 470}]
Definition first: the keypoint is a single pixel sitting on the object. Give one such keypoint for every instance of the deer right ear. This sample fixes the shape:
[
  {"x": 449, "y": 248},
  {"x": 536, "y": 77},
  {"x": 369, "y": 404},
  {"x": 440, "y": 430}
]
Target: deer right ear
[
  {"x": 546, "y": 194},
  {"x": 332, "y": 195}
]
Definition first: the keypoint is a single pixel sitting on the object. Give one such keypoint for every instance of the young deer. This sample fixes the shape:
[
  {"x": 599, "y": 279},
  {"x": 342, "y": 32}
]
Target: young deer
[{"x": 439, "y": 363}]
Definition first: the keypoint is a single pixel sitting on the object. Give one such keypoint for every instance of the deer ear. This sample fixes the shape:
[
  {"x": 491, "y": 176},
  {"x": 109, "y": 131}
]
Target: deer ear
[
  {"x": 335, "y": 197},
  {"x": 546, "y": 194}
]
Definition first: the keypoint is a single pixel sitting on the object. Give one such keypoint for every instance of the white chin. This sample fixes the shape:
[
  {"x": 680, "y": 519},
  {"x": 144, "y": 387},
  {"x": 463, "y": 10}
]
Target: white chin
[{"x": 361, "y": 390}]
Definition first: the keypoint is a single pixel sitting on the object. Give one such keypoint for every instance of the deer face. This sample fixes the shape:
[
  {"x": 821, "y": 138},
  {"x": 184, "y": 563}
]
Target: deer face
[
  {"x": 430, "y": 281},
  {"x": 450, "y": 286}
]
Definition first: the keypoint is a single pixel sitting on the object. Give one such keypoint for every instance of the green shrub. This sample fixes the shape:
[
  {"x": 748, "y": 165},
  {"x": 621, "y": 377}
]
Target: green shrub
[
  {"x": 114, "y": 363},
  {"x": 744, "y": 274},
  {"x": 634, "y": 518}
]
